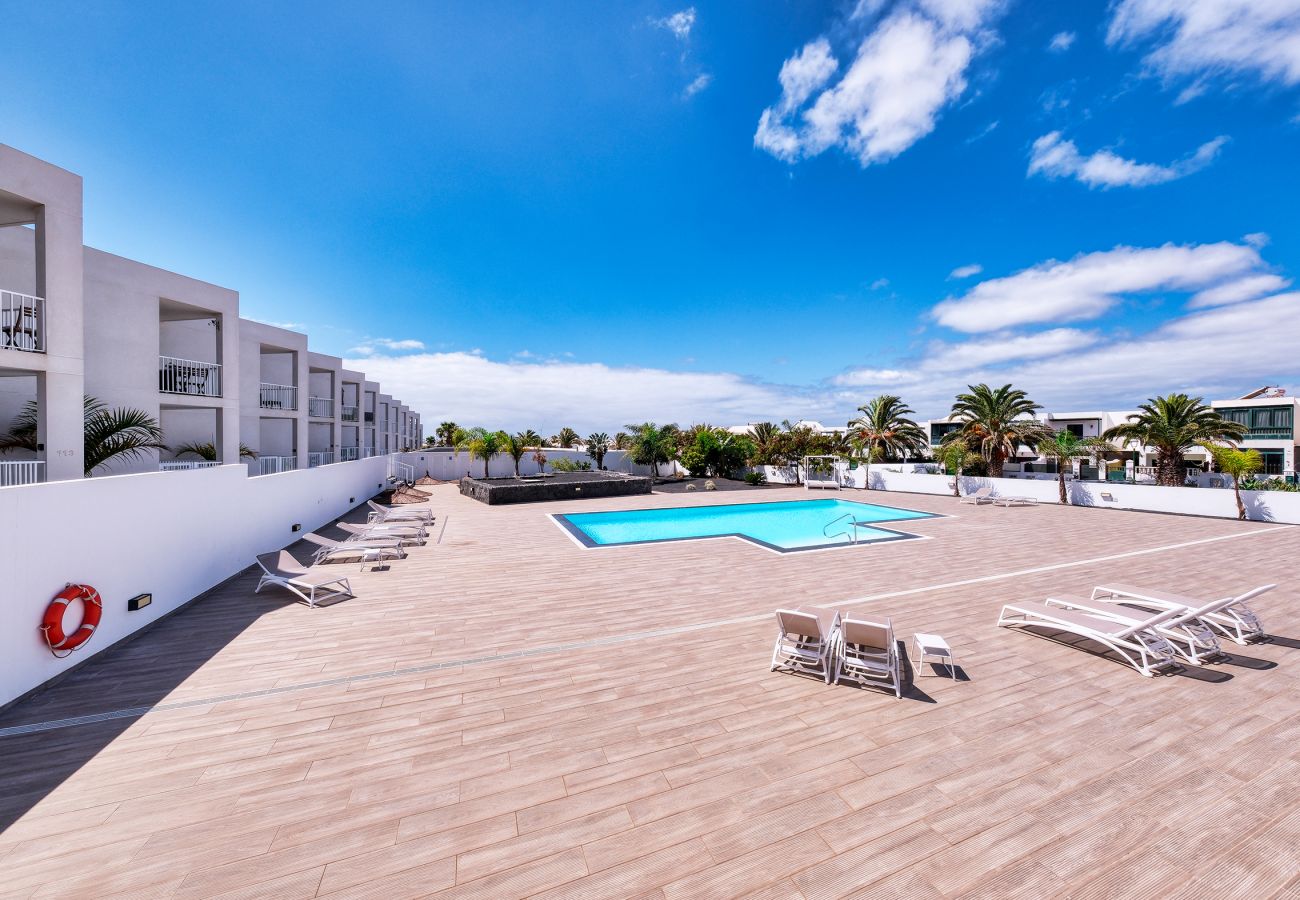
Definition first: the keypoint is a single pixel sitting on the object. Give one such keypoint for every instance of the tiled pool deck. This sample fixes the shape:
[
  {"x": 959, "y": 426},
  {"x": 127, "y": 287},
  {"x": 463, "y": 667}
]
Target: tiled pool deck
[{"x": 540, "y": 720}]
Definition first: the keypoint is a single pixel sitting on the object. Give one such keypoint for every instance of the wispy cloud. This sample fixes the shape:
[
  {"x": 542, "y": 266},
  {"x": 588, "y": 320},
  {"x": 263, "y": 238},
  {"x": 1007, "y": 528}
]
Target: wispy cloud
[
  {"x": 966, "y": 271},
  {"x": 701, "y": 82},
  {"x": 287, "y": 326},
  {"x": 679, "y": 23},
  {"x": 1091, "y": 284},
  {"x": 1056, "y": 157},
  {"x": 907, "y": 67},
  {"x": 1202, "y": 39},
  {"x": 371, "y": 346},
  {"x": 1061, "y": 41}
]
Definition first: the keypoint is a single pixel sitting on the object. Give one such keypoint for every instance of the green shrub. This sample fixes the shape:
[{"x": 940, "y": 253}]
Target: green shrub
[{"x": 755, "y": 478}]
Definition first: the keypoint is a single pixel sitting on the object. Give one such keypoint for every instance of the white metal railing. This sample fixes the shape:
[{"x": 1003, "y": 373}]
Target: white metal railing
[
  {"x": 348, "y": 454},
  {"x": 270, "y": 465},
  {"x": 323, "y": 458},
  {"x": 320, "y": 407},
  {"x": 401, "y": 471},
  {"x": 175, "y": 465},
  {"x": 279, "y": 396},
  {"x": 367, "y": 452},
  {"x": 350, "y": 413},
  {"x": 22, "y": 471},
  {"x": 1144, "y": 473},
  {"x": 188, "y": 376},
  {"x": 22, "y": 322}
]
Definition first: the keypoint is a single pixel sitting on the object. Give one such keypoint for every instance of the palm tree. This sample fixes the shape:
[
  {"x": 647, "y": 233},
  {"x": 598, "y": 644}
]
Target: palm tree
[
  {"x": 515, "y": 445},
  {"x": 622, "y": 441},
  {"x": 1240, "y": 464},
  {"x": 108, "y": 434},
  {"x": 1064, "y": 447},
  {"x": 482, "y": 444},
  {"x": 993, "y": 422},
  {"x": 956, "y": 454},
  {"x": 566, "y": 438},
  {"x": 208, "y": 451},
  {"x": 532, "y": 438},
  {"x": 653, "y": 444},
  {"x": 597, "y": 447},
  {"x": 884, "y": 429},
  {"x": 447, "y": 433},
  {"x": 1173, "y": 425},
  {"x": 430, "y": 441}
]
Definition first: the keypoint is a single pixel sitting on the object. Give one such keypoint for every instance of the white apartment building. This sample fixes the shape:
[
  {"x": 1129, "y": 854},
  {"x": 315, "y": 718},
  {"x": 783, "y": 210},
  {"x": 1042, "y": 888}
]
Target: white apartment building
[{"x": 77, "y": 321}]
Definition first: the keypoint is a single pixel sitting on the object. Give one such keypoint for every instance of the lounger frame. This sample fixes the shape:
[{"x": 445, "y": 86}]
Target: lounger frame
[
  {"x": 1235, "y": 620},
  {"x": 1139, "y": 645}
]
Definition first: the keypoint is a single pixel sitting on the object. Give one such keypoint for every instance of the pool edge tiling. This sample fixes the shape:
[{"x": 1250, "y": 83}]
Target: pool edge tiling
[{"x": 883, "y": 535}]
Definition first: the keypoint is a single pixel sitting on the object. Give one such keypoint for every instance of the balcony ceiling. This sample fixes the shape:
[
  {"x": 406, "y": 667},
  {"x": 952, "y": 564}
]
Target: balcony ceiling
[{"x": 15, "y": 210}]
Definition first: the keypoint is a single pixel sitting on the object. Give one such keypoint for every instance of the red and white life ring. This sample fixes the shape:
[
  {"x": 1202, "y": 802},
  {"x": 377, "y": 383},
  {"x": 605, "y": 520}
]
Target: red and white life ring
[{"x": 52, "y": 625}]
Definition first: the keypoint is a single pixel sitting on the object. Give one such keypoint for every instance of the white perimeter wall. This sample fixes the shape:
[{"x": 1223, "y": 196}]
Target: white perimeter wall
[
  {"x": 1263, "y": 506},
  {"x": 444, "y": 465},
  {"x": 171, "y": 534}
]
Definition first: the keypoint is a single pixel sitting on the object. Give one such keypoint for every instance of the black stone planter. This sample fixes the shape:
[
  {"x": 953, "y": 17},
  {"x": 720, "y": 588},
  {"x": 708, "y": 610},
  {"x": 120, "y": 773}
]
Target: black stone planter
[{"x": 557, "y": 486}]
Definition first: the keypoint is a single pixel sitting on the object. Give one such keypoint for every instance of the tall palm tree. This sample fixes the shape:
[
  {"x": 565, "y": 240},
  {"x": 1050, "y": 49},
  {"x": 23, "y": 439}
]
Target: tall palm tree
[
  {"x": 532, "y": 438},
  {"x": 993, "y": 422},
  {"x": 884, "y": 429},
  {"x": 447, "y": 433},
  {"x": 1064, "y": 447},
  {"x": 597, "y": 447},
  {"x": 1240, "y": 464},
  {"x": 109, "y": 434},
  {"x": 653, "y": 444},
  {"x": 1173, "y": 425},
  {"x": 483, "y": 444},
  {"x": 515, "y": 446},
  {"x": 566, "y": 438},
  {"x": 765, "y": 436},
  {"x": 622, "y": 440},
  {"x": 955, "y": 455}
]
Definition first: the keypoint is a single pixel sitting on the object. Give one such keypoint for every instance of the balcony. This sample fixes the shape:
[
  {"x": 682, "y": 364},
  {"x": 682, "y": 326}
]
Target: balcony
[
  {"x": 320, "y": 407},
  {"x": 272, "y": 465},
  {"x": 178, "y": 465},
  {"x": 278, "y": 396},
  {"x": 22, "y": 322},
  {"x": 348, "y": 454},
  {"x": 188, "y": 376},
  {"x": 1269, "y": 434},
  {"x": 350, "y": 413},
  {"x": 23, "y": 471},
  {"x": 323, "y": 458}
]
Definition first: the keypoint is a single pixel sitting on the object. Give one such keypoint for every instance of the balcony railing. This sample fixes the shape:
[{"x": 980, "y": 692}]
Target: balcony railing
[
  {"x": 23, "y": 471},
  {"x": 176, "y": 465},
  {"x": 348, "y": 454},
  {"x": 320, "y": 407},
  {"x": 1269, "y": 434},
  {"x": 367, "y": 452},
  {"x": 22, "y": 322},
  {"x": 188, "y": 376},
  {"x": 323, "y": 458},
  {"x": 279, "y": 396},
  {"x": 270, "y": 465},
  {"x": 350, "y": 413}
]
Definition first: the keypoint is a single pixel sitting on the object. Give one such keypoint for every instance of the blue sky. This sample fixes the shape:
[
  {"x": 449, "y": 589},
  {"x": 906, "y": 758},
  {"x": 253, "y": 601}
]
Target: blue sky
[{"x": 530, "y": 215}]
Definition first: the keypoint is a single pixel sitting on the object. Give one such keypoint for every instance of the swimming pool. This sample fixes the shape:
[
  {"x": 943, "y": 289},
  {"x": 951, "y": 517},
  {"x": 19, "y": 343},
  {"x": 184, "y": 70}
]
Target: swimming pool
[{"x": 784, "y": 526}]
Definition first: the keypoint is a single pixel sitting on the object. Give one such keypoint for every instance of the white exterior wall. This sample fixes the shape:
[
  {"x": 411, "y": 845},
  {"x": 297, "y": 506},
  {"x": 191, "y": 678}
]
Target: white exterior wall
[
  {"x": 445, "y": 465},
  {"x": 152, "y": 545}
]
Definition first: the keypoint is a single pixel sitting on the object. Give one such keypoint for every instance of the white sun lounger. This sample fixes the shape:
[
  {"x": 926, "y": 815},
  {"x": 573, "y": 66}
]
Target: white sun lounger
[
  {"x": 867, "y": 653},
  {"x": 804, "y": 642},
  {"x": 980, "y": 495},
  {"x": 411, "y": 533},
  {"x": 1140, "y": 645},
  {"x": 1014, "y": 501},
  {"x": 1191, "y": 638},
  {"x": 389, "y": 513},
  {"x": 1235, "y": 620},
  {"x": 328, "y": 548},
  {"x": 282, "y": 569}
]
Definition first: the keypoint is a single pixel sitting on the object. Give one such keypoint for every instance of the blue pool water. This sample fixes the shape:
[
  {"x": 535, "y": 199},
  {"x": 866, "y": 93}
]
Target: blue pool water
[{"x": 782, "y": 525}]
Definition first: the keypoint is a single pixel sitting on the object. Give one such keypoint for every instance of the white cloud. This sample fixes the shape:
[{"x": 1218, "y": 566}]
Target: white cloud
[
  {"x": 1201, "y": 38},
  {"x": 966, "y": 271},
  {"x": 879, "y": 283},
  {"x": 907, "y": 68},
  {"x": 1061, "y": 41},
  {"x": 287, "y": 326},
  {"x": 371, "y": 346},
  {"x": 1247, "y": 288},
  {"x": 1056, "y": 157},
  {"x": 700, "y": 83},
  {"x": 679, "y": 23},
  {"x": 1090, "y": 284},
  {"x": 475, "y": 390}
]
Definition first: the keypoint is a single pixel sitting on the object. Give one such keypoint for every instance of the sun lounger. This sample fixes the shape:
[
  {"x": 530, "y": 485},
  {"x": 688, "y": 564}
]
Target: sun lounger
[
  {"x": 1014, "y": 501},
  {"x": 1140, "y": 645},
  {"x": 1235, "y": 619},
  {"x": 1191, "y": 638},
  {"x": 805, "y": 642},
  {"x": 867, "y": 653},
  {"x": 353, "y": 548},
  {"x": 406, "y": 533},
  {"x": 980, "y": 495},
  {"x": 386, "y": 513},
  {"x": 282, "y": 569}
]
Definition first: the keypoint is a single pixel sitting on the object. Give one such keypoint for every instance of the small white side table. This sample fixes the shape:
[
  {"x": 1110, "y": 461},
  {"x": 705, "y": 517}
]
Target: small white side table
[
  {"x": 371, "y": 555},
  {"x": 933, "y": 645}
]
